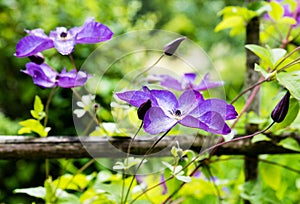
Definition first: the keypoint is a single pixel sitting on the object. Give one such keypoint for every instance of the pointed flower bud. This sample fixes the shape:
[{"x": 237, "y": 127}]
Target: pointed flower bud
[
  {"x": 281, "y": 109},
  {"x": 141, "y": 112},
  {"x": 171, "y": 47}
]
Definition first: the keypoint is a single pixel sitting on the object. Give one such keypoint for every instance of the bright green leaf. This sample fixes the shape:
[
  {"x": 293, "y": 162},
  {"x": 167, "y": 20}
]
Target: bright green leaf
[
  {"x": 290, "y": 143},
  {"x": 277, "y": 54},
  {"x": 259, "y": 137},
  {"x": 291, "y": 81},
  {"x": 68, "y": 181},
  {"x": 38, "y": 105},
  {"x": 276, "y": 12},
  {"x": 261, "y": 52},
  {"x": 287, "y": 21},
  {"x": 34, "y": 126},
  {"x": 261, "y": 70},
  {"x": 230, "y": 22}
]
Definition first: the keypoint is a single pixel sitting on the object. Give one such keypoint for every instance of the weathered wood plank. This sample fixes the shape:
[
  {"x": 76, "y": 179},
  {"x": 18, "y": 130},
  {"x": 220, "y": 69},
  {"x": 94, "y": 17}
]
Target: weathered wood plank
[{"x": 25, "y": 147}]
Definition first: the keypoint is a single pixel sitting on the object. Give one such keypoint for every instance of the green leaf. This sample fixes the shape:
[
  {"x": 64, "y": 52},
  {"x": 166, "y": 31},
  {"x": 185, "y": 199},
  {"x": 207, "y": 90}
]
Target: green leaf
[
  {"x": 38, "y": 105},
  {"x": 261, "y": 52},
  {"x": 77, "y": 182},
  {"x": 290, "y": 143},
  {"x": 230, "y": 22},
  {"x": 34, "y": 126},
  {"x": 38, "y": 192},
  {"x": 277, "y": 54},
  {"x": 261, "y": 70},
  {"x": 291, "y": 81},
  {"x": 276, "y": 12},
  {"x": 291, "y": 115},
  {"x": 259, "y": 137},
  {"x": 287, "y": 21}
]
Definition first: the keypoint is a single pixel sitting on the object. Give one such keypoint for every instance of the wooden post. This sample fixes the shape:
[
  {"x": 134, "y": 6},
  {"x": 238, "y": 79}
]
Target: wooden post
[{"x": 252, "y": 37}]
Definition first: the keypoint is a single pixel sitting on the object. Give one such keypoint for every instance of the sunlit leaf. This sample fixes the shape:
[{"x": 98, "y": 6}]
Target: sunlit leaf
[
  {"x": 34, "y": 126},
  {"x": 277, "y": 54},
  {"x": 290, "y": 143},
  {"x": 259, "y": 137},
  {"x": 230, "y": 22},
  {"x": 261, "y": 52},
  {"x": 38, "y": 105},
  {"x": 291, "y": 81},
  {"x": 276, "y": 11}
]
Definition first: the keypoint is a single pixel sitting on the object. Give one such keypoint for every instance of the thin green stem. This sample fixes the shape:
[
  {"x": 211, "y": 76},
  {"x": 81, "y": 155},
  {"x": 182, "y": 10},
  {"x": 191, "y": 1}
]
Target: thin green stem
[
  {"x": 48, "y": 104},
  {"x": 286, "y": 57},
  {"x": 72, "y": 61},
  {"x": 294, "y": 62},
  {"x": 147, "y": 69},
  {"x": 128, "y": 152},
  {"x": 142, "y": 161}
]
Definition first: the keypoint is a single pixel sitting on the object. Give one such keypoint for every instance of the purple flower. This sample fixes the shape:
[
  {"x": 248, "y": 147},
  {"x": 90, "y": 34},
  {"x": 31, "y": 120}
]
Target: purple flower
[
  {"x": 62, "y": 39},
  {"x": 187, "y": 82},
  {"x": 190, "y": 110},
  {"x": 46, "y": 77}
]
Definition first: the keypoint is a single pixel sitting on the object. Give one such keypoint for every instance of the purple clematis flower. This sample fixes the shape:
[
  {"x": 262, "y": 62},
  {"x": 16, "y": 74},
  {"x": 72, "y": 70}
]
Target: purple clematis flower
[
  {"x": 190, "y": 110},
  {"x": 187, "y": 82},
  {"x": 62, "y": 39},
  {"x": 46, "y": 77}
]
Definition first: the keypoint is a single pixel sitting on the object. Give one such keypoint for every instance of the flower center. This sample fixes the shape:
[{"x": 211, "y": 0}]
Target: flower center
[
  {"x": 177, "y": 113},
  {"x": 63, "y": 34}
]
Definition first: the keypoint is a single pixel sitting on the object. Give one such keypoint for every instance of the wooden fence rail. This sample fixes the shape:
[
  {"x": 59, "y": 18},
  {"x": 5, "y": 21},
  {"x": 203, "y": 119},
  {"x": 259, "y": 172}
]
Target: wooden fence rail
[{"x": 25, "y": 147}]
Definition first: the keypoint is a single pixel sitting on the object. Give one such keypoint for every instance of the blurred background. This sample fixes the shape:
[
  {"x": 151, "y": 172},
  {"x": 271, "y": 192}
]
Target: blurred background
[{"x": 195, "y": 19}]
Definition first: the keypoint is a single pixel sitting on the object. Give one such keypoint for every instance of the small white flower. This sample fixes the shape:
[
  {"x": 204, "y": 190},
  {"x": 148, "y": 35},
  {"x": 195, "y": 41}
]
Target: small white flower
[{"x": 86, "y": 103}]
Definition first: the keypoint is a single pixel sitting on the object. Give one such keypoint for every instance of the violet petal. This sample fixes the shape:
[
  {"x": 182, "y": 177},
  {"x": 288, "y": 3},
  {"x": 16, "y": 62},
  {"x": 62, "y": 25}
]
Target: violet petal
[
  {"x": 207, "y": 84},
  {"x": 42, "y": 75},
  {"x": 93, "y": 32},
  {"x": 189, "y": 100},
  {"x": 164, "y": 99},
  {"x": 30, "y": 45},
  {"x": 170, "y": 82},
  {"x": 134, "y": 98},
  {"x": 227, "y": 111},
  {"x": 72, "y": 78},
  {"x": 156, "y": 121}
]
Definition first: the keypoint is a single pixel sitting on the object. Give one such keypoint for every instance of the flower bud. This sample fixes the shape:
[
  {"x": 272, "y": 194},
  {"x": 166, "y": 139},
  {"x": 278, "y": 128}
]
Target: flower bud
[
  {"x": 171, "y": 47},
  {"x": 281, "y": 109},
  {"x": 38, "y": 58},
  {"x": 141, "y": 112}
]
